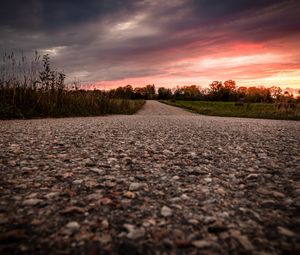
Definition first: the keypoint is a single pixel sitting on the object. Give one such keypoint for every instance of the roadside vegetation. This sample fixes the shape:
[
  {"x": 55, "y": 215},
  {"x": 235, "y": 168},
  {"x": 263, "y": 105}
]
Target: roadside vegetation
[
  {"x": 33, "y": 89},
  {"x": 226, "y": 99},
  {"x": 232, "y": 109}
]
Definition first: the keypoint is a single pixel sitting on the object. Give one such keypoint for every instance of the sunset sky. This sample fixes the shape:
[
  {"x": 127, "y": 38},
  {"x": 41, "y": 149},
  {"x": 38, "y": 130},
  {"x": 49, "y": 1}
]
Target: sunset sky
[{"x": 162, "y": 42}]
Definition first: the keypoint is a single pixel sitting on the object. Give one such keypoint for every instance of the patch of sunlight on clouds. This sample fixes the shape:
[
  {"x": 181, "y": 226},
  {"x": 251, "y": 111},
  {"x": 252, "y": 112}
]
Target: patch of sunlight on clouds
[
  {"x": 131, "y": 23},
  {"x": 286, "y": 78},
  {"x": 80, "y": 74},
  {"x": 240, "y": 60},
  {"x": 289, "y": 76},
  {"x": 136, "y": 26},
  {"x": 54, "y": 51}
]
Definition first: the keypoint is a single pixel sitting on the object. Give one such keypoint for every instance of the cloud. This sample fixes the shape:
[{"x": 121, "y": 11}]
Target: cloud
[
  {"x": 38, "y": 15},
  {"x": 119, "y": 40}
]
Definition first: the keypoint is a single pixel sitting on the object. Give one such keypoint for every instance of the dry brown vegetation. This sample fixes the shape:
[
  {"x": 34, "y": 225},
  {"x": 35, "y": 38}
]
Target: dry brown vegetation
[{"x": 35, "y": 89}]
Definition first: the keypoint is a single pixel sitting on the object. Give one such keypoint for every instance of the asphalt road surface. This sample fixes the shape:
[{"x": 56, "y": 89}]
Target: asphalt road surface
[{"x": 163, "y": 181}]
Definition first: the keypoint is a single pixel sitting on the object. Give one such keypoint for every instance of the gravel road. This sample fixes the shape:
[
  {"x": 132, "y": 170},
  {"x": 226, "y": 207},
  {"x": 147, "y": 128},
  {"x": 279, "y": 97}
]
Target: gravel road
[{"x": 164, "y": 181}]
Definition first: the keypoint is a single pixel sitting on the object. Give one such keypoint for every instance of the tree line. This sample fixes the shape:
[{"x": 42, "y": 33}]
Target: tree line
[{"x": 217, "y": 91}]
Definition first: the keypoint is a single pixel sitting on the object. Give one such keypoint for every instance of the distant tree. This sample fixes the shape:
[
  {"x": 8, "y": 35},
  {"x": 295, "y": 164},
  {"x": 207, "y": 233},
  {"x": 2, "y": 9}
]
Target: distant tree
[
  {"x": 191, "y": 92},
  {"x": 241, "y": 92},
  {"x": 216, "y": 86},
  {"x": 216, "y": 91},
  {"x": 128, "y": 90},
  {"x": 164, "y": 93},
  {"x": 150, "y": 91},
  {"x": 229, "y": 91},
  {"x": 276, "y": 92},
  {"x": 139, "y": 92},
  {"x": 122, "y": 92},
  {"x": 258, "y": 94},
  {"x": 178, "y": 93},
  {"x": 230, "y": 85}
]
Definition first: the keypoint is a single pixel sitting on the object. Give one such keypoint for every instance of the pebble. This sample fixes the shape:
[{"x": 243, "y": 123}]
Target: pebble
[
  {"x": 251, "y": 176},
  {"x": 166, "y": 211},
  {"x": 193, "y": 221},
  {"x": 51, "y": 195},
  {"x": 129, "y": 194},
  {"x": 221, "y": 191},
  {"x": 105, "y": 224},
  {"x": 32, "y": 201},
  {"x": 208, "y": 180},
  {"x": 98, "y": 171},
  {"x": 134, "y": 186},
  {"x": 111, "y": 161},
  {"x": 209, "y": 219},
  {"x": 72, "y": 210},
  {"x": 105, "y": 239},
  {"x": 285, "y": 231},
  {"x": 71, "y": 228},
  {"x": 243, "y": 240},
  {"x": 134, "y": 232},
  {"x": 202, "y": 244},
  {"x": 89, "y": 163},
  {"x": 175, "y": 178},
  {"x": 166, "y": 152},
  {"x": 184, "y": 197},
  {"x": 268, "y": 203},
  {"x": 78, "y": 181}
]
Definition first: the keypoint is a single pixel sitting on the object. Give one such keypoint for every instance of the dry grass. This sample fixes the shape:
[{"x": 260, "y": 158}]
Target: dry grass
[{"x": 34, "y": 89}]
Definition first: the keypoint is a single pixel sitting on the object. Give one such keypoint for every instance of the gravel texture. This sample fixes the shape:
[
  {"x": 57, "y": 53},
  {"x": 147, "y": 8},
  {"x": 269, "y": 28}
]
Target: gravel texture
[{"x": 164, "y": 181}]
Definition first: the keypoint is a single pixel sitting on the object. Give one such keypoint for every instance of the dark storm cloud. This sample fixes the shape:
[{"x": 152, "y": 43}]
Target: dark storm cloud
[
  {"x": 114, "y": 39},
  {"x": 217, "y": 10},
  {"x": 55, "y": 14},
  {"x": 262, "y": 16}
]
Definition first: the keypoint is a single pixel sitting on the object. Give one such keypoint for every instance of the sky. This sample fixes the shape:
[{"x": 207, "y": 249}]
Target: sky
[{"x": 111, "y": 43}]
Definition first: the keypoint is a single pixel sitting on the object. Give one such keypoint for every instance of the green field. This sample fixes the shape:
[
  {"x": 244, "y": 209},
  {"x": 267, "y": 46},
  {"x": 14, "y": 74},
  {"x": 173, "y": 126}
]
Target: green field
[{"x": 229, "y": 109}]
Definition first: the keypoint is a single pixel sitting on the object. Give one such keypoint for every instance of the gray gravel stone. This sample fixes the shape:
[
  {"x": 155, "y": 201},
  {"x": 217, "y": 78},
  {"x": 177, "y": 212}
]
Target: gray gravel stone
[
  {"x": 135, "y": 186},
  {"x": 71, "y": 228},
  {"x": 166, "y": 211},
  {"x": 32, "y": 201}
]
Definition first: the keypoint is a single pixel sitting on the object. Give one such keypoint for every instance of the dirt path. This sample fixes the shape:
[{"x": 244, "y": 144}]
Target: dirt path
[
  {"x": 164, "y": 181},
  {"x": 155, "y": 108}
]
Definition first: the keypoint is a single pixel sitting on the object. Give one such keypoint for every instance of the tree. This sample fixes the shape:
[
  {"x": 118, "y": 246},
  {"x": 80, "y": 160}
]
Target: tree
[
  {"x": 164, "y": 93},
  {"x": 191, "y": 92},
  {"x": 229, "y": 91},
  {"x": 276, "y": 92},
  {"x": 230, "y": 85},
  {"x": 241, "y": 92},
  {"x": 216, "y": 91},
  {"x": 258, "y": 94},
  {"x": 216, "y": 86},
  {"x": 150, "y": 91}
]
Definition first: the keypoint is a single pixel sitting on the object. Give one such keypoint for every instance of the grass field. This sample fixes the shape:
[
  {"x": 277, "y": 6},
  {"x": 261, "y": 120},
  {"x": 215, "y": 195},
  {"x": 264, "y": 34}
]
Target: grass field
[{"x": 229, "y": 109}]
